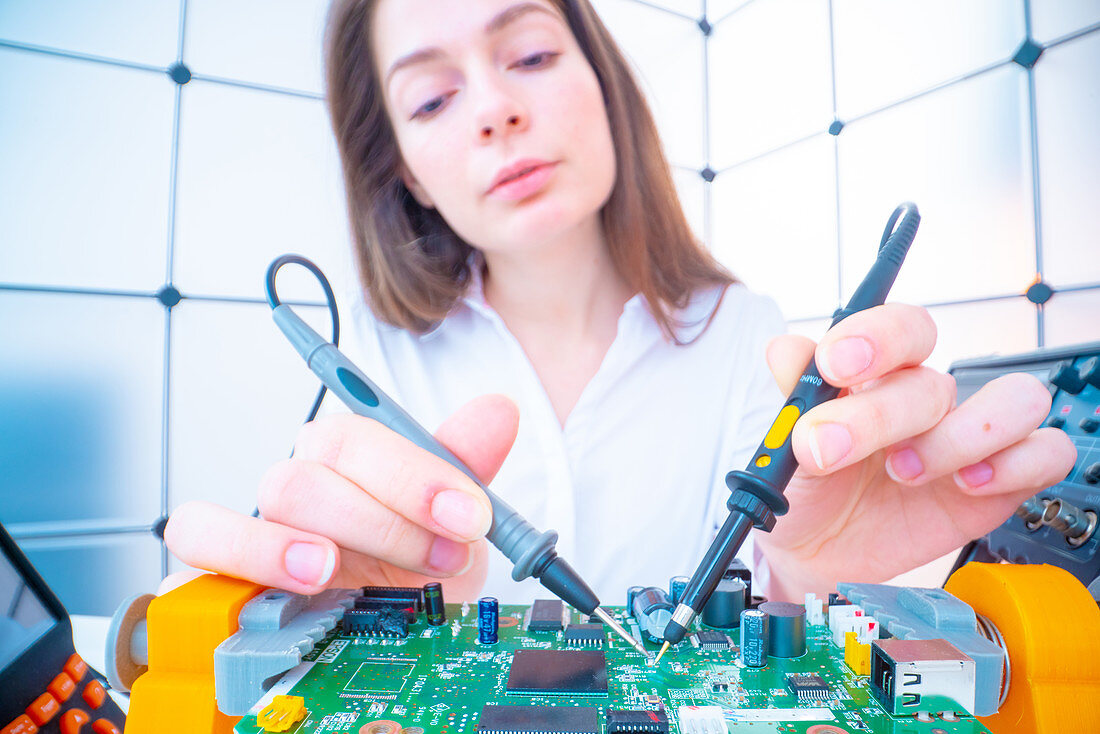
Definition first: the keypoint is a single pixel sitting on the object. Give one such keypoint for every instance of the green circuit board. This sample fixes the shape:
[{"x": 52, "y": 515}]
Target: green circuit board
[{"x": 439, "y": 679}]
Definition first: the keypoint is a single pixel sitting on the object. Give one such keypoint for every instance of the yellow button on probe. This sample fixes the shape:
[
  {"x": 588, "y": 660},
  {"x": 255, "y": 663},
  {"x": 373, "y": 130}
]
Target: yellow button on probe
[{"x": 781, "y": 428}]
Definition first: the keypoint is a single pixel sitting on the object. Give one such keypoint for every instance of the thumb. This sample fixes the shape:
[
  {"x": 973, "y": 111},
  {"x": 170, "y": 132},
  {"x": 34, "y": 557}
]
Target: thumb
[
  {"x": 481, "y": 433},
  {"x": 788, "y": 356}
]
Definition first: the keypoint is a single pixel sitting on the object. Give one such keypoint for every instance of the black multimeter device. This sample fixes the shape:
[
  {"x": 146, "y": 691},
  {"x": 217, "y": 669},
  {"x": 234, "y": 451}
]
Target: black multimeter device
[{"x": 44, "y": 685}]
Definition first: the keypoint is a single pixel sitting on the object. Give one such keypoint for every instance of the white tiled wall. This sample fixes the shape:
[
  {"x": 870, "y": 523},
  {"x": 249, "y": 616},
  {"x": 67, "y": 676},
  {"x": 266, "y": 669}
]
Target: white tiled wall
[{"x": 116, "y": 182}]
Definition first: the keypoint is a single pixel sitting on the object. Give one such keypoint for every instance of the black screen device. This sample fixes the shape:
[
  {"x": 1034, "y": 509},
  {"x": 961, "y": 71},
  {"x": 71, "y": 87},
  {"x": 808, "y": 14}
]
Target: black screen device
[{"x": 44, "y": 684}]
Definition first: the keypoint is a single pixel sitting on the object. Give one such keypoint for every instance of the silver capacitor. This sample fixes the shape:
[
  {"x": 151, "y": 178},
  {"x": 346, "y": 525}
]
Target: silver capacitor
[
  {"x": 653, "y": 610},
  {"x": 754, "y": 638}
]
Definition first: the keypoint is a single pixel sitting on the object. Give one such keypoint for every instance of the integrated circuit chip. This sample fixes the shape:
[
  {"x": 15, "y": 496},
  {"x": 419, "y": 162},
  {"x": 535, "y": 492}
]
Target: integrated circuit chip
[
  {"x": 711, "y": 640},
  {"x": 538, "y": 720},
  {"x": 375, "y": 622},
  {"x": 409, "y": 612},
  {"x": 635, "y": 721},
  {"x": 546, "y": 615},
  {"x": 396, "y": 596},
  {"x": 808, "y": 687},
  {"x": 558, "y": 672},
  {"x": 584, "y": 635}
]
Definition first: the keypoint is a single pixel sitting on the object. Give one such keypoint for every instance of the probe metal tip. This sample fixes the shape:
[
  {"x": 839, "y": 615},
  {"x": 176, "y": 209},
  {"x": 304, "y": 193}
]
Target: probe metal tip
[
  {"x": 664, "y": 648},
  {"x": 610, "y": 622}
]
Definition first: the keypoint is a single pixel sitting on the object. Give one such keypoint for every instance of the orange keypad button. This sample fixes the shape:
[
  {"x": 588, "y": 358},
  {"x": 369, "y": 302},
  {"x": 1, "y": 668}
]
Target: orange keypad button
[
  {"x": 102, "y": 726},
  {"x": 62, "y": 687},
  {"x": 75, "y": 667},
  {"x": 94, "y": 694},
  {"x": 21, "y": 725},
  {"x": 44, "y": 708},
  {"x": 73, "y": 720}
]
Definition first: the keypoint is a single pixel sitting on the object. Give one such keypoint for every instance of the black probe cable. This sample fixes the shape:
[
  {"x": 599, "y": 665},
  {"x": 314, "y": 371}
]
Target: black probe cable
[
  {"x": 334, "y": 314},
  {"x": 330, "y": 301},
  {"x": 531, "y": 552},
  {"x": 757, "y": 491}
]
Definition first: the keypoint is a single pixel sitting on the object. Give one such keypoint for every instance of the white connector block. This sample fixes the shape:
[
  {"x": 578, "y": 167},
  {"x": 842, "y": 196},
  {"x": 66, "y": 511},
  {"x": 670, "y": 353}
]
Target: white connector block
[
  {"x": 843, "y": 618},
  {"x": 702, "y": 720},
  {"x": 815, "y": 609}
]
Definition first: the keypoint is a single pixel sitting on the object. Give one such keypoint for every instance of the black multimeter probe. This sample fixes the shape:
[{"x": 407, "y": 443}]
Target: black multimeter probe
[{"x": 757, "y": 491}]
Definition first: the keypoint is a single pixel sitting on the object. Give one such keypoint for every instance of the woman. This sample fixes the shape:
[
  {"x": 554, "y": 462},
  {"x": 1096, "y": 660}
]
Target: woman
[{"x": 517, "y": 231}]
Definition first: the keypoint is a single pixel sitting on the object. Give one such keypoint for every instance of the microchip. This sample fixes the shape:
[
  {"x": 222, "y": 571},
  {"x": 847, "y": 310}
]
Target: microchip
[
  {"x": 584, "y": 635},
  {"x": 634, "y": 721},
  {"x": 808, "y": 687},
  {"x": 546, "y": 615},
  {"x": 550, "y": 672},
  {"x": 398, "y": 596},
  {"x": 711, "y": 640},
  {"x": 375, "y": 623},
  {"x": 405, "y": 608},
  {"x": 538, "y": 720}
]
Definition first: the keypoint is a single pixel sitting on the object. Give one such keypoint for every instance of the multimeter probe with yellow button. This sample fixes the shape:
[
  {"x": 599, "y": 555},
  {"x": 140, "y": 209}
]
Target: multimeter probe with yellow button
[{"x": 757, "y": 491}]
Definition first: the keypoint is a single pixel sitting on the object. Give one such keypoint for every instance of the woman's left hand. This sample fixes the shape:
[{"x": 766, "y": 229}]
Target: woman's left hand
[{"x": 892, "y": 474}]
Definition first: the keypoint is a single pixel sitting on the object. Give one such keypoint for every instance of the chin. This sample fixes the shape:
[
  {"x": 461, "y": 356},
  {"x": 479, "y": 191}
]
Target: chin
[{"x": 547, "y": 211}]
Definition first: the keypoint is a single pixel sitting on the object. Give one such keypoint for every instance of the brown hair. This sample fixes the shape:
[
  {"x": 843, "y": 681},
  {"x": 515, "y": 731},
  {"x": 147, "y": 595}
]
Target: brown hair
[{"x": 412, "y": 264}]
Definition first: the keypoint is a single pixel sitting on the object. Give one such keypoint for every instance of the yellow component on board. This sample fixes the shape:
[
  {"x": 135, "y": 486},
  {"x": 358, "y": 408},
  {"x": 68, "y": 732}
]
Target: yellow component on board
[
  {"x": 1051, "y": 627},
  {"x": 176, "y": 694},
  {"x": 857, "y": 656},
  {"x": 283, "y": 713},
  {"x": 781, "y": 428}
]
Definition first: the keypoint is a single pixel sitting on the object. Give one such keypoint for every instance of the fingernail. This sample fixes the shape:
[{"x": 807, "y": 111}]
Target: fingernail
[
  {"x": 846, "y": 358},
  {"x": 460, "y": 513},
  {"x": 974, "y": 476},
  {"x": 448, "y": 556},
  {"x": 310, "y": 564},
  {"x": 904, "y": 465},
  {"x": 829, "y": 443}
]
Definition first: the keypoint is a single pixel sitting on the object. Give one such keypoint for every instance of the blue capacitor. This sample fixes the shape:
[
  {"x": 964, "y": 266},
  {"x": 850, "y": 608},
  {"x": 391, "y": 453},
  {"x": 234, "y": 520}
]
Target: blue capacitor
[
  {"x": 676, "y": 587},
  {"x": 754, "y": 638},
  {"x": 488, "y": 620}
]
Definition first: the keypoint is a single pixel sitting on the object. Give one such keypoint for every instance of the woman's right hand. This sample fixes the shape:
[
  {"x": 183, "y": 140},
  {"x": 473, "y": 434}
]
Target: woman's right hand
[{"x": 360, "y": 505}]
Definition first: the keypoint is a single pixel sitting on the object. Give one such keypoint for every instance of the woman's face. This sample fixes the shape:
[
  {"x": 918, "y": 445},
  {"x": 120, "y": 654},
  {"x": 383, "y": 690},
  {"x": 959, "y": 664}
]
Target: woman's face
[{"x": 498, "y": 115}]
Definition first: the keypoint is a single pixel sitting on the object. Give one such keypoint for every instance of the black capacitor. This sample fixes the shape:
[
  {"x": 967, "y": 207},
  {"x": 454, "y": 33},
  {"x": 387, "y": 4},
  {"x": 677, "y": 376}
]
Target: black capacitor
[
  {"x": 738, "y": 570},
  {"x": 653, "y": 610},
  {"x": 723, "y": 608},
  {"x": 488, "y": 620},
  {"x": 754, "y": 638},
  {"x": 433, "y": 603},
  {"x": 676, "y": 587},
  {"x": 786, "y": 628}
]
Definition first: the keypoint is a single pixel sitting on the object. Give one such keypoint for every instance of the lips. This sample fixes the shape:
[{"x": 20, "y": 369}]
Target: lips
[{"x": 516, "y": 171}]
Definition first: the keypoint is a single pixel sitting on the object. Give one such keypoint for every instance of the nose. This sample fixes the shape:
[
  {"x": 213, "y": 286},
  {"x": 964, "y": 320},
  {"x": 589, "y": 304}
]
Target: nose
[
  {"x": 500, "y": 113},
  {"x": 488, "y": 131}
]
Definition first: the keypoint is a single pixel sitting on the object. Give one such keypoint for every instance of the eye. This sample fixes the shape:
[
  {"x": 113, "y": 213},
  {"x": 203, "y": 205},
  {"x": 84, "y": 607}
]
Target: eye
[
  {"x": 429, "y": 108},
  {"x": 535, "y": 61}
]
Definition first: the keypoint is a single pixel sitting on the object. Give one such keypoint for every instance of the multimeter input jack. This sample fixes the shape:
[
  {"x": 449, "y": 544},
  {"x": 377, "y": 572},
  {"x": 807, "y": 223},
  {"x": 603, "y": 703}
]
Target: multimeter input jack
[
  {"x": 1031, "y": 510},
  {"x": 1076, "y": 524}
]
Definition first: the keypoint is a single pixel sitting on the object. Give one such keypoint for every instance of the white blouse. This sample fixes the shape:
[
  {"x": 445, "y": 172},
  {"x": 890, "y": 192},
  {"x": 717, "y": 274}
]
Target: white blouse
[{"x": 633, "y": 483}]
